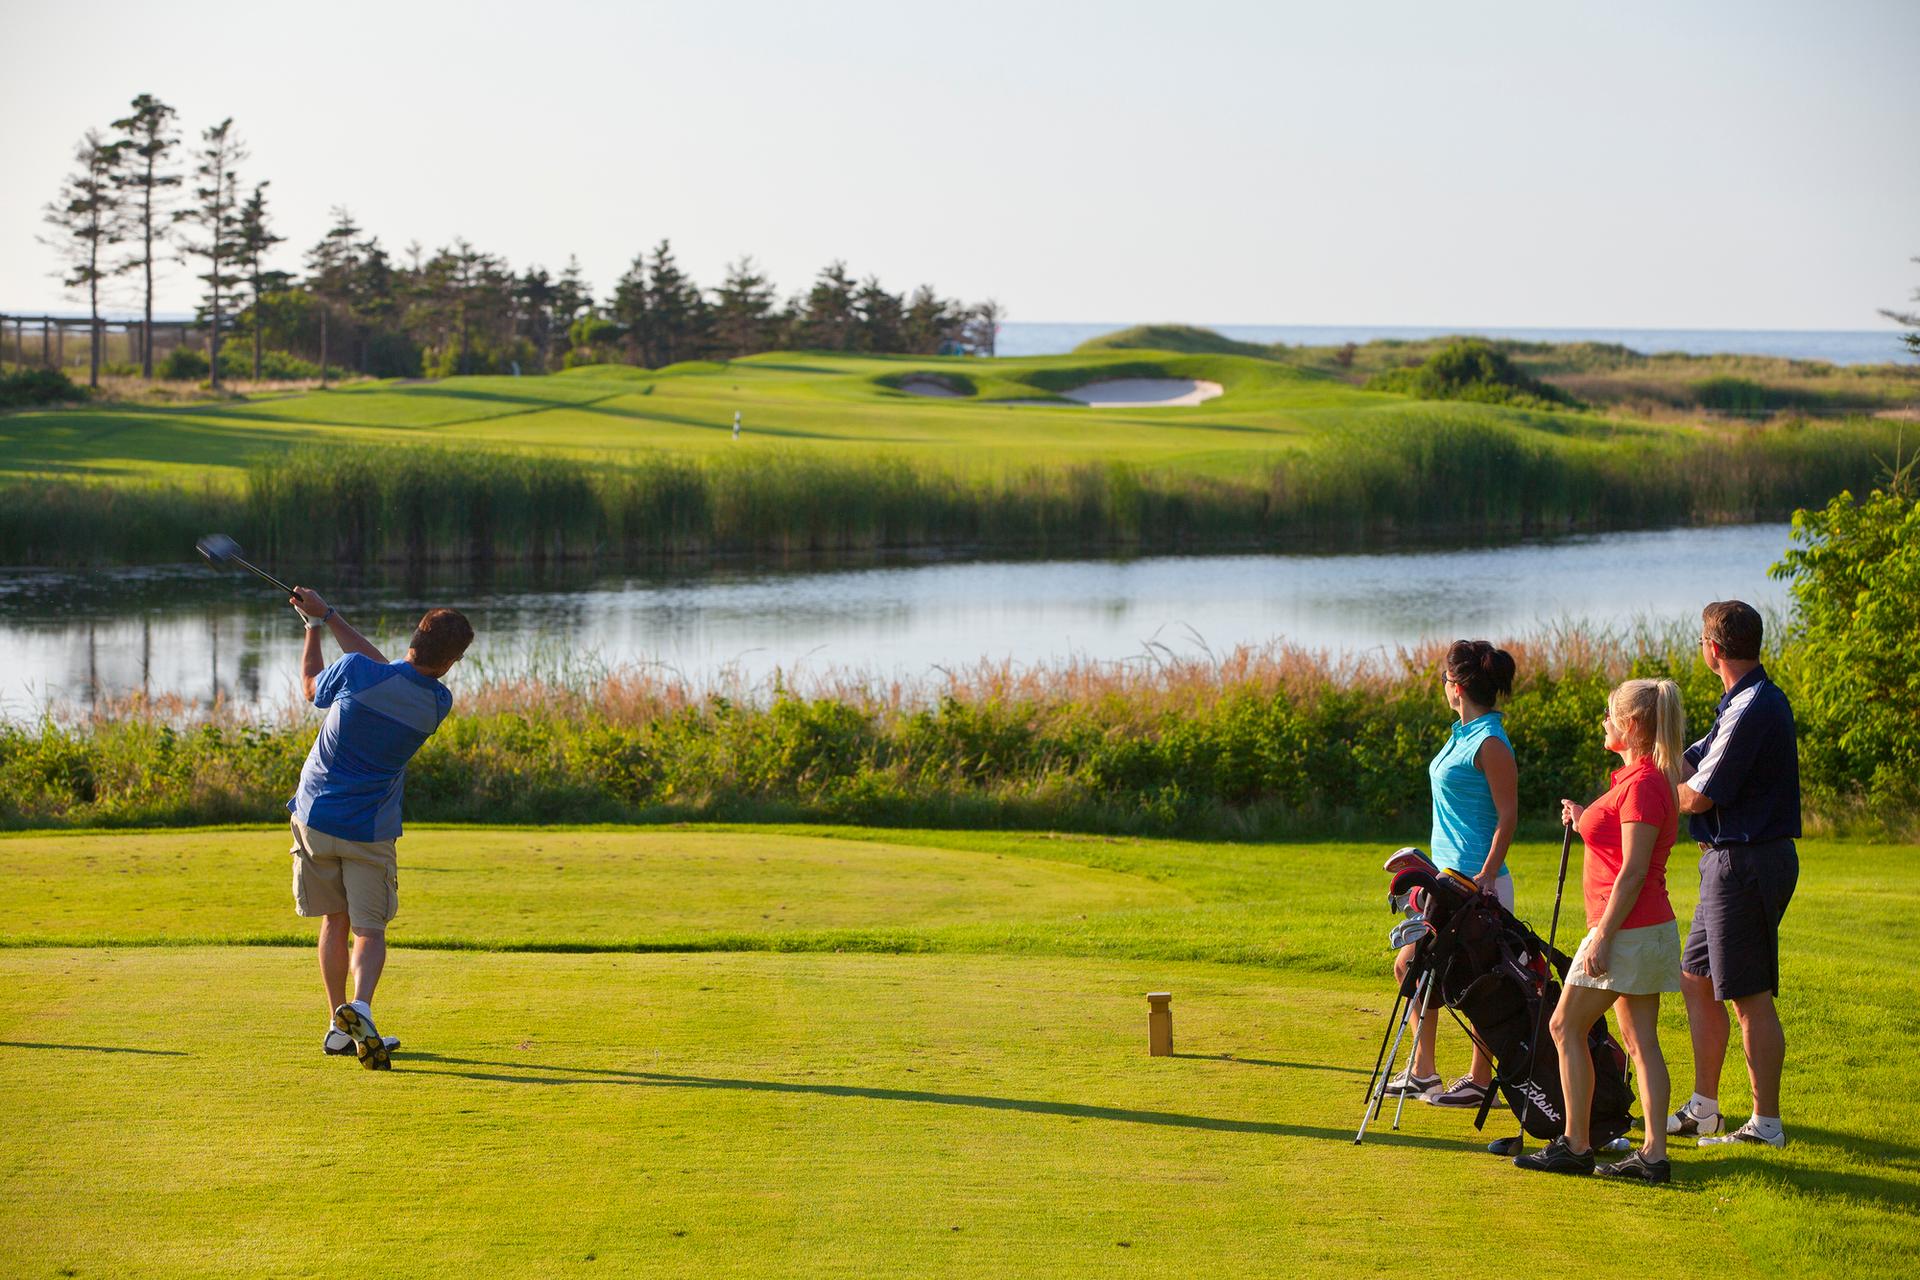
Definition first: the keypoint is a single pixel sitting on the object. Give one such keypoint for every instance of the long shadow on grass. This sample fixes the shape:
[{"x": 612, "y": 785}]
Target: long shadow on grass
[
  {"x": 1032, "y": 1106},
  {"x": 1884, "y": 1195},
  {"x": 1269, "y": 1062},
  {"x": 93, "y": 1048}
]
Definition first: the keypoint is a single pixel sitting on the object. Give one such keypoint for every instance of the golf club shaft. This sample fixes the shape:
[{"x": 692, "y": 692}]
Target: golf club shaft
[
  {"x": 256, "y": 569},
  {"x": 1553, "y": 930},
  {"x": 1419, "y": 1024}
]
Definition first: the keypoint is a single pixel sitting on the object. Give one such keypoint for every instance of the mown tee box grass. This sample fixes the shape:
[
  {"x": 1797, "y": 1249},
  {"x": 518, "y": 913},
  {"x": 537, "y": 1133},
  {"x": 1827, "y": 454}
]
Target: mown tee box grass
[{"x": 984, "y": 1106}]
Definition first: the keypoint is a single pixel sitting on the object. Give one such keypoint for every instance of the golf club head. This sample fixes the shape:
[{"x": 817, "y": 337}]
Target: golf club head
[
  {"x": 218, "y": 548},
  {"x": 1413, "y": 902},
  {"x": 1407, "y": 882},
  {"x": 1412, "y": 929},
  {"x": 1507, "y": 1146},
  {"x": 1403, "y": 858}
]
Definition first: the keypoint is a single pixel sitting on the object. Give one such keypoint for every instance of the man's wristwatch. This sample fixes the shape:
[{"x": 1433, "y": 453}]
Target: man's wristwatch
[{"x": 314, "y": 623}]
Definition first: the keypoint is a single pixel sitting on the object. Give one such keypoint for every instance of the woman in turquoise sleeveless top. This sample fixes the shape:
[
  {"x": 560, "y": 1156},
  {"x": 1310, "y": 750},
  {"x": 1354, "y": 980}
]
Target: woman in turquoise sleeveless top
[{"x": 1476, "y": 803}]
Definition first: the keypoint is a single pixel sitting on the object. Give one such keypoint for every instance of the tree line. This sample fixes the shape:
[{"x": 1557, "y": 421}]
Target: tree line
[{"x": 139, "y": 197}]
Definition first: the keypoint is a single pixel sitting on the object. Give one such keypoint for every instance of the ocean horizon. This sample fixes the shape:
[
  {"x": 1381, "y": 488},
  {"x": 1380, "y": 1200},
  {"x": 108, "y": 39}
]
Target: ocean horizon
[
  {"x": 1837, "y": 346},
  {"x": 1058, "y": 337}
]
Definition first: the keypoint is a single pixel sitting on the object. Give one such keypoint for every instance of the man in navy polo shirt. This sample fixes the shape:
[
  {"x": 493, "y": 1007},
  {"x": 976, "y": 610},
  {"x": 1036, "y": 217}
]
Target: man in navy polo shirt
[
  {"x": 1742, "y": 787},
  {"x": 346, "y": 811}
]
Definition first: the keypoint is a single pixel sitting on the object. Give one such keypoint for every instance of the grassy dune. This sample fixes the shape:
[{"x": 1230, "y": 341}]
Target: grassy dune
[
  {"x": 948, "y": 1084},
  {"x": 1668, "y": 385},
  {"x": 611, "y": 461}
]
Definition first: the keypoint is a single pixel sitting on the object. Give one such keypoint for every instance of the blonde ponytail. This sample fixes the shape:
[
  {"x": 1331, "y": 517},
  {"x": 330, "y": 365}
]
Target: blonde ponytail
[
  {"x": 1657, "y": 712},
  {"x": 1669, "y": 729}
]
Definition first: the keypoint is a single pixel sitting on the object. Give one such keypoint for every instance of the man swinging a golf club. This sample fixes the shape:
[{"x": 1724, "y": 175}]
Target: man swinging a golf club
[{"x": 346, "y": 812}]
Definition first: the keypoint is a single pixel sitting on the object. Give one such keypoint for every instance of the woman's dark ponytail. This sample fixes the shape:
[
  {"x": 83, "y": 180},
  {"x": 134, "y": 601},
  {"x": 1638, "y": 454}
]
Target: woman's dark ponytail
[{"x": 1484, "y": 673}]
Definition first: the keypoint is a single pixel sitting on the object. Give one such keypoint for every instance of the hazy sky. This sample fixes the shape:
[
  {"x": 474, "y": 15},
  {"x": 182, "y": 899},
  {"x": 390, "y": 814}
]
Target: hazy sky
[{"x": 1688, "y": 164}]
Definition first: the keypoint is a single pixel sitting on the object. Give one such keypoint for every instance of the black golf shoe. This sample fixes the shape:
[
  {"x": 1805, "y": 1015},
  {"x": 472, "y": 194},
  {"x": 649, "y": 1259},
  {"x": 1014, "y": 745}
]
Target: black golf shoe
[
  {"x": 1556, "y": 1157},
  {"x": 1637, "y": 1168}
]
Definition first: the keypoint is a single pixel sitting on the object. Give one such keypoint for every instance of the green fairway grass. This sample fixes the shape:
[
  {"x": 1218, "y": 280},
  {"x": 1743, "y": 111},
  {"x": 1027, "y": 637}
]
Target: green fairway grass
[
  {"x": 610, "y": 460},
  {"x": 843, "y": 404},
  {"x": 556, "y": 889},
  {"x": 983, "y": 1106}
]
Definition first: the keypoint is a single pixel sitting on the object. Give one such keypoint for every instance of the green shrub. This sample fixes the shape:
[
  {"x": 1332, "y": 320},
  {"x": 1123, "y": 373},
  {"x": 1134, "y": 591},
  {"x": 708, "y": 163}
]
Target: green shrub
[
  {"x": 1732, "y": 395},
  {"x": 184, "y": 364},
  {"x": 1471, "y": 369},
  {"x": 1854, "y": 662},
  {"x": 25, "y": 388},
  {"x": 236, "y": 361},
  {"x": 1245, "y": 749}
]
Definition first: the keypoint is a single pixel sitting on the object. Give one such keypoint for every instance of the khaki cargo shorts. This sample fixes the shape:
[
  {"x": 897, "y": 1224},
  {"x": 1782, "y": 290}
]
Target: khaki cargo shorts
[{"x": 361, "y": 878}]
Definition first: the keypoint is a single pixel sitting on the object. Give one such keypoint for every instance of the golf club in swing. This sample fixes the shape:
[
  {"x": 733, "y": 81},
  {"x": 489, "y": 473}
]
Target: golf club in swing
[{"x": 219, "y": 549}]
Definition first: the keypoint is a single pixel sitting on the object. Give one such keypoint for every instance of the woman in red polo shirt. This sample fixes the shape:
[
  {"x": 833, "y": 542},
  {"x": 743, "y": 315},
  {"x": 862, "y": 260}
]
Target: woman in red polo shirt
[{"x": 1631, "y": 953}]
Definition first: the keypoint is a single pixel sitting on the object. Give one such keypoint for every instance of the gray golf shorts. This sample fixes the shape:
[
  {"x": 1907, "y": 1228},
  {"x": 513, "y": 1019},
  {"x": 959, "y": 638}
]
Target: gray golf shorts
[{"x": 1735, "y": 939}]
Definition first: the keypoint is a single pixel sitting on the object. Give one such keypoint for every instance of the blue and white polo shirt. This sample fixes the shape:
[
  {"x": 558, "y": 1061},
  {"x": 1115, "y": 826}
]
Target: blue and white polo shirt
[
  {"x": 378, "y": 715},
  {"x": 1748, "y": 765}
]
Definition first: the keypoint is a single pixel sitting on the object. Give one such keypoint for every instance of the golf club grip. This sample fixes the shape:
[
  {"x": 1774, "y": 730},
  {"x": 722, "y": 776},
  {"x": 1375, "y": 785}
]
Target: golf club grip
[{"x": 1566, "y": 847}]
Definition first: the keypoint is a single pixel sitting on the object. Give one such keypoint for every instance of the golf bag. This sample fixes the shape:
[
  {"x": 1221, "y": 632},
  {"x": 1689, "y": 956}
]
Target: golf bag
[{"x": 1495, "y": 972}]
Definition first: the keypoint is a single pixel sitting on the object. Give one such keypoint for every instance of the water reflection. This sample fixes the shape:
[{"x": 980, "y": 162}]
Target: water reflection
[{"x": 189, "y": 632}]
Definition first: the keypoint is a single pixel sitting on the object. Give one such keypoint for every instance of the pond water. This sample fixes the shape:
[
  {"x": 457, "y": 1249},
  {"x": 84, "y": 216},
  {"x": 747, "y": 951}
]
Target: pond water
[{"x": 71, "y": 639}]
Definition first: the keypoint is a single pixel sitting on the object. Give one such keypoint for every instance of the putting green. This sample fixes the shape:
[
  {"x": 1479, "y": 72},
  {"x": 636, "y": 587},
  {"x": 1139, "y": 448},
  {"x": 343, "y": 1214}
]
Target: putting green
[{"x": 637, "y": 889}]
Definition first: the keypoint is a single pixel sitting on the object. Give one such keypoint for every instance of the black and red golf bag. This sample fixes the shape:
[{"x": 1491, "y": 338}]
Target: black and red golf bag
[{"x": 1496, "y": 973}]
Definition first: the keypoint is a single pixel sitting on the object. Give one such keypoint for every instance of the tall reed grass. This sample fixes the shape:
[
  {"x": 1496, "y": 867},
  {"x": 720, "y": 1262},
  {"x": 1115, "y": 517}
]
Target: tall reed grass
[
  {"x": 1258, "y": 742},
  {"x": 1453, "y": 471}
]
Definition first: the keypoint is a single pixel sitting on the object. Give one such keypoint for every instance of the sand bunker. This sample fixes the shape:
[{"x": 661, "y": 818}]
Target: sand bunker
[
  {"x": 1115, "y": 393},
  {"x": 1144, "y": 393},
  {"x": 929, "y": 386}
]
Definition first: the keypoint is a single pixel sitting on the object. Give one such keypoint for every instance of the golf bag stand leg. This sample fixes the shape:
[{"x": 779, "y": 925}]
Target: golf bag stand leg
[
  {"x": 1373, "y": 1081},
  {"x": 1373, "y": 1105},
  {"x": 1419, "y": 1024}
]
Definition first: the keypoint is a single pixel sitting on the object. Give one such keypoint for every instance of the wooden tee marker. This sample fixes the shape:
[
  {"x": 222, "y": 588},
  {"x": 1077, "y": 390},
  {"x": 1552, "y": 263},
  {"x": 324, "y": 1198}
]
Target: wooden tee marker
[{"x": 1159, "y": 1024}]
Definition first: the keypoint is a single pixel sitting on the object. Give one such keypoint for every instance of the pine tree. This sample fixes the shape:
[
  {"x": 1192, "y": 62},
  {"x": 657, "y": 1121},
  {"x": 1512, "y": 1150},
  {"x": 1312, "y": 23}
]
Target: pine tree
[
  {"x": 92, "y": 218},
  {"x": 879, "y": 318},
  {"x": 572, "y": 298},
  {"x": 631, "y": 308},
  {"x": 332, "y": 265},
  {"x": 931, "y": 323},
  {"x": 216, "y": 211},
  {"x": 147, "y": 138},
  {"x": 533, "y": 319},
  {"x": 253, "y": 238},
  {"x": 1911, "y": 320},
  {"x": 677, "y": 311},
  {"x": 743, "y": 314},
  {"x": 827, "y": 321},
  {"x": 463, "y": 299}
]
